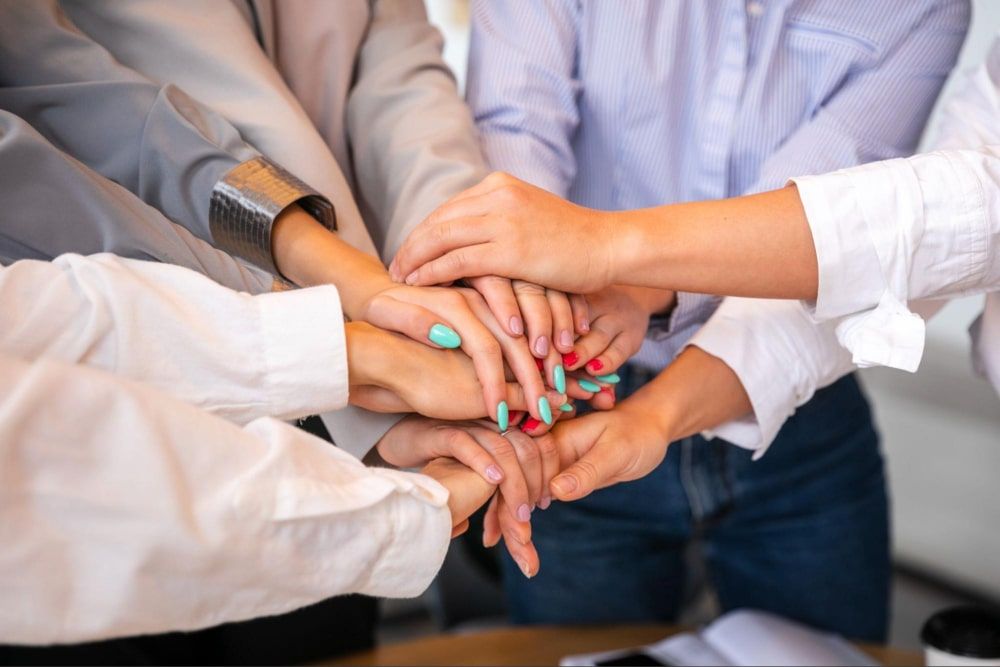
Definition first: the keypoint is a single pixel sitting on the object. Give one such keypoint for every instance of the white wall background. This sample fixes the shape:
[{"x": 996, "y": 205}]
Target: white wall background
[{"x": 941, "y": 427}]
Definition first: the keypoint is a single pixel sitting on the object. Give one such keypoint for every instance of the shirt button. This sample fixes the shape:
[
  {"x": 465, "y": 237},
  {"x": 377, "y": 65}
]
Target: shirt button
[{"x": 755, "y": 8}]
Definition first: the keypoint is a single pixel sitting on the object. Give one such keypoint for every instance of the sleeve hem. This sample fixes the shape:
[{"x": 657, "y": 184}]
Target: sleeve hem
[
  {"x": 305, "y": 351},
  {"x": 249, "y": 198}
]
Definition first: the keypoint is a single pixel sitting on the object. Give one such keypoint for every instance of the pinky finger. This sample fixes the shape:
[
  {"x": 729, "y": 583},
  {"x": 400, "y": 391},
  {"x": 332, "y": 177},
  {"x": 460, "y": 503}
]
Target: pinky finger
[{"x": 581, "y": 312}]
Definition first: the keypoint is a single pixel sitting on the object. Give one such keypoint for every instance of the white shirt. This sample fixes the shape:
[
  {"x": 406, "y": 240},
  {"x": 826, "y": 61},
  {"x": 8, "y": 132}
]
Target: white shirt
[
  {"x": 239, "y": 356},
  {"x": 887, "y": 235},
  {"x": 124, "y": 510}
]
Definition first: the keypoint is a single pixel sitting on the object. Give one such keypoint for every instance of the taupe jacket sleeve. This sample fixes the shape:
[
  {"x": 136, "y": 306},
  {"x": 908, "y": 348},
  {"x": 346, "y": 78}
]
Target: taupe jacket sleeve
[
  {"x": 412, "y": 136},
  {"x": 53, "y": 204},
  {"x": 156, "y": 141}
]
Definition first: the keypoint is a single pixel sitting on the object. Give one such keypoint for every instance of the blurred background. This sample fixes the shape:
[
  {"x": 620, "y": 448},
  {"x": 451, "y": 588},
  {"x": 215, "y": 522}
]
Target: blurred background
[{"x": 941, "y": 436}]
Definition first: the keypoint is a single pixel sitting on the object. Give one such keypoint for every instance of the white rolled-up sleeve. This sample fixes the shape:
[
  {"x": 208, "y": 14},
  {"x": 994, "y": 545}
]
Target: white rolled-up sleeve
[
  {"x": 239, "y": 356},
  {"x": 125, "y": 511},
  {"x": 780, "y": 355},
  {"x": 893, "y": 232}
]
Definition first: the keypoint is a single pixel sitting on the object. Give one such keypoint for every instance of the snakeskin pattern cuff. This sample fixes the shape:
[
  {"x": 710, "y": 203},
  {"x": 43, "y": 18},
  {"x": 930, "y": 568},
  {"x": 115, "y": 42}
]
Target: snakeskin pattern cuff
[{"x": 248, "y": 199}]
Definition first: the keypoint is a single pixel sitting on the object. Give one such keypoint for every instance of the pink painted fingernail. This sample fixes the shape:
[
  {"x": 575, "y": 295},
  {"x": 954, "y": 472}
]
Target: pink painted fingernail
[
  {"x": 524, "y": 568},
  {"x": 524, "y": 513},
  {"x": 542, "y": 346},
  {"x": 516, "y": 326},
  {"x": 584, "y": 325},
  {"x": 565, "y": 338},
  {"x": 412, "y": 278},
  {"x": 494, "y": 474},
  {"x": 544, "y": 502}
]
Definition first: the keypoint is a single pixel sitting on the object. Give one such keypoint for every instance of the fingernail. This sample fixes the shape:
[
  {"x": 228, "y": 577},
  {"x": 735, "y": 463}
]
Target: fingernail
[
  {"x": 566, "y": 407},
  {"x": 524, "y": 513},
  {"x": 571, "y": 358},
  {"x": 516, "y": 326},
  {"x": 595, "y": 365},
  {"x": 565, "y": 484},
  {"x": 515, "y": 417},
  {"x": 544, "y": 409},
  {"x": 444, "y": 336},
  {"x": 494, "y": 474},
  {"x": 565, "y": 338},
  {"x": 503, "y": 416},
  {"x": 610, "y": 378},
  {"x": 412, "y": 278},
  {"x": 559, "y": 377},
  {"x": 587, "y": 385},
  {"x": 544, "y": 502},
  {"x": 524, "y": 568},
  {"x": 585, "y": 325},
  {"x": 530, "y": 424},
  {"x": 542, "y": 346},
  {"x": 539, "y": 364}
]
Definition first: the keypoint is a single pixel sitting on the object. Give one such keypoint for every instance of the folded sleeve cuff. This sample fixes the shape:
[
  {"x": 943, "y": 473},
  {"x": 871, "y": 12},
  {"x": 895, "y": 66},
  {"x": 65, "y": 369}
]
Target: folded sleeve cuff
[
  {"x": 780, "y": 356},
  {"x": 416, "y": 552},
  {"x": 305, "y": 351},
  {"x": 850, "y": 275},
  {"x": 248, "y": 199}
]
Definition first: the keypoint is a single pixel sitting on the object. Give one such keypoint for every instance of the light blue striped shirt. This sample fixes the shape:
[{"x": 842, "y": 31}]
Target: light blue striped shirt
[{"x": 622, "y": 104}]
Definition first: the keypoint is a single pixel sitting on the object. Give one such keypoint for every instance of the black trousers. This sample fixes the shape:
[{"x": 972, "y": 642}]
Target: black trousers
[{"x": 332, "y": 627}]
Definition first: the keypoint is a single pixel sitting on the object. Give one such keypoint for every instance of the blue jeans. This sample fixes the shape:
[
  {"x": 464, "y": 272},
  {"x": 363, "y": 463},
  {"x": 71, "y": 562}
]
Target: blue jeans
[{"x": 803, "y": 532}]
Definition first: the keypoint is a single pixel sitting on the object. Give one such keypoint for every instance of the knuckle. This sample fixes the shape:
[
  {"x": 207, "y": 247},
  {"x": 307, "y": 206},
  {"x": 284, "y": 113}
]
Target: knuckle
[
  {"x": 587, "y": 471},
  {"x": 503, "y": 449},
  {"x": 547, "y": 446}
]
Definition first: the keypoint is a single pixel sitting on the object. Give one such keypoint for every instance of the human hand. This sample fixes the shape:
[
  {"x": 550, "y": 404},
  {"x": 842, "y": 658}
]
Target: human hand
[
  {"x": 459, "y": 317},
  {"x": 514, "y": 461},
  {"x": 546, "y": 314},
  {"x": 467, "y": 491},
  {"x": 506, "y": 227},
  {"x": 604, "y": 448},
  {"x": 390, "y": 373}
]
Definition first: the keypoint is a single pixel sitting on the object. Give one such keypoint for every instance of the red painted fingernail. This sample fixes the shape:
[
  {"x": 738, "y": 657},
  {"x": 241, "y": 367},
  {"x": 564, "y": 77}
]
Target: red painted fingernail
[
  {"x": 570, "y": 359},
  {"x": 595, "y": 365},
  {"x": 515, "y": 417},
  {"x": 540, "y": 364},
  {"x": 530, "y": 424}
]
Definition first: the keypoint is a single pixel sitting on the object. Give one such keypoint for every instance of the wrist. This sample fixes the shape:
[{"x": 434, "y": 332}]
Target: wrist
[{"x": 367, "y": 352}]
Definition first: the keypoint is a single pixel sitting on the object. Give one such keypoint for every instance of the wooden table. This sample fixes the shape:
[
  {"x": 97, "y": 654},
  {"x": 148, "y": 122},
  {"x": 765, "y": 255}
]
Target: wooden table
[{"x": 544, "y": 646}]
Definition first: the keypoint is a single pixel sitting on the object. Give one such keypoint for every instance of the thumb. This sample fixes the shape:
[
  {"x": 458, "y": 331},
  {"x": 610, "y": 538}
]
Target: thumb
[{"x": 593, "y": 471}]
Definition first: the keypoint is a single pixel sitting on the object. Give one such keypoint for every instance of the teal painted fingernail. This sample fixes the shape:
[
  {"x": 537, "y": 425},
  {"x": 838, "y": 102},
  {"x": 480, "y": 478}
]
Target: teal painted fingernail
[
  {"x": 444, "y": 336},
  {"x": 610, "y": 378},
  {"x": 566, "y": 407},
  {"x": 587, "y": 385},
  {"x": 559, "y": 375},
  {"x": 545, "y": 410},
  {"x": 503, "y": 416}
]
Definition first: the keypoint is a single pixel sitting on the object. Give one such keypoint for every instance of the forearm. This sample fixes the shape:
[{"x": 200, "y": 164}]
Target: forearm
[
  {"x": 759, "y": 245},
  {"x": 696, "y": 392}
]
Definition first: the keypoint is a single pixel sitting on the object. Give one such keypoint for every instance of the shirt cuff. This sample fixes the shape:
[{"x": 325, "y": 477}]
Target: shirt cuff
[
  {"x": 780, "y": 356},
  {"x": 356, "y": 430},
  {"x": 305, "y": 351},
  {"x": 413, "y": 557},
  {"x": 850, "y": 275},
  {"x": 249, "y": 198}
]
